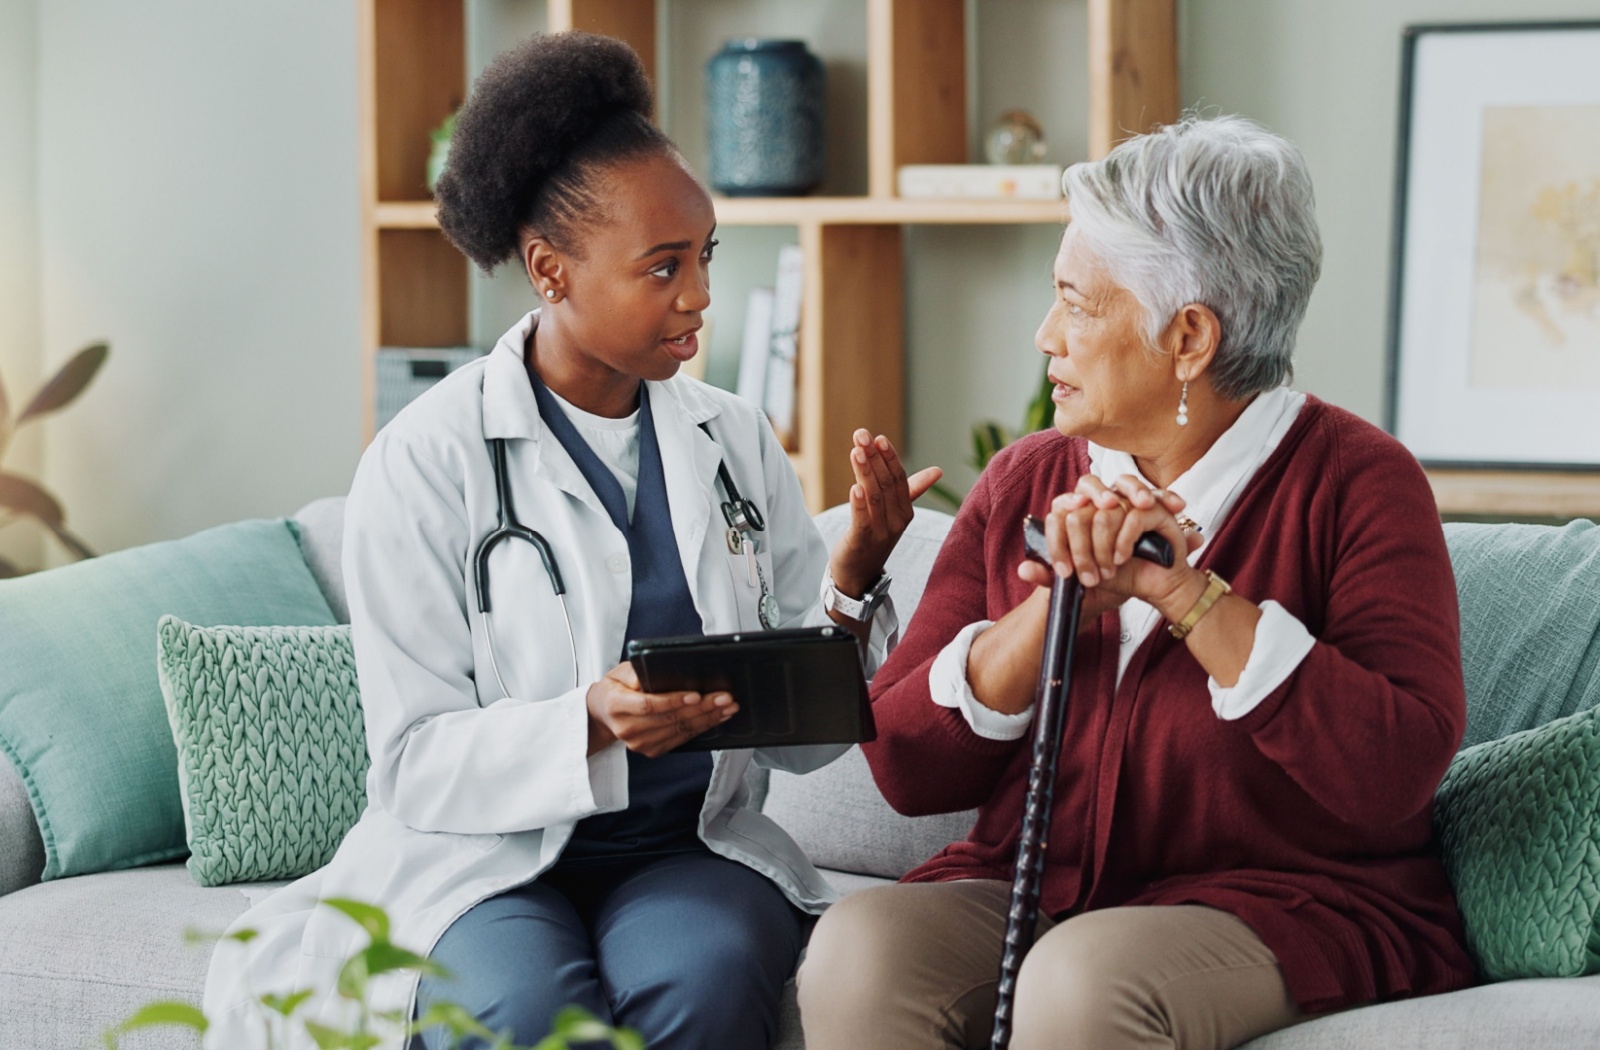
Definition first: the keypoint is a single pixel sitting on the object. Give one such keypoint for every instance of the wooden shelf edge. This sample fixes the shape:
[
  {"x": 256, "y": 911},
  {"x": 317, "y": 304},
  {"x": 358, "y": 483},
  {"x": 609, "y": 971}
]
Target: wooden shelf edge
[
  {"x": 1516, "y": 492},
  {"x": 886, "y": 211},
  {"x": 796, "y": 211}
]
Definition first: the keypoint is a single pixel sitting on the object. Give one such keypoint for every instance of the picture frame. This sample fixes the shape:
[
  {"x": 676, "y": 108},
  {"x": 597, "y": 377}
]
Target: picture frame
[{"x": 1494, "y": 316}]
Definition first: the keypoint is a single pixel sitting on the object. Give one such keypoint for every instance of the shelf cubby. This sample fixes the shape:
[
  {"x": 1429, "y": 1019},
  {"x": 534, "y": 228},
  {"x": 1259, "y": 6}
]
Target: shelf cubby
[{"x": 851, "y": 358}]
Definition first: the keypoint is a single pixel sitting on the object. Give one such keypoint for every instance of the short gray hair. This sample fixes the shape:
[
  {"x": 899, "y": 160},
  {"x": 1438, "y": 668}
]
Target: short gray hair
[{"x": 1216, "y": 211}]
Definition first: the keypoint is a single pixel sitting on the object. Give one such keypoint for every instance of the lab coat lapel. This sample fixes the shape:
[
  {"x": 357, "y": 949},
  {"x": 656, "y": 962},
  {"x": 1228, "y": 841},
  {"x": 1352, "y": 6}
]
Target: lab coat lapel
[
  {"x": 689, "y": 464},
  {"x": 510, "y": 411}
]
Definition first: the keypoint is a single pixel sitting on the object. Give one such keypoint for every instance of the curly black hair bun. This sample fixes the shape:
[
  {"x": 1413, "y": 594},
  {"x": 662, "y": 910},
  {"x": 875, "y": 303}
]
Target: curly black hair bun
[{"x": 543, "y": 119}]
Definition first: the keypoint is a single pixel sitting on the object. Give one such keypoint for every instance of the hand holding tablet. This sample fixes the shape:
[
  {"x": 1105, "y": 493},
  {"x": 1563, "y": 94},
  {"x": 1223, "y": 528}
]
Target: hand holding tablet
[{"x": 792, "y": 687}]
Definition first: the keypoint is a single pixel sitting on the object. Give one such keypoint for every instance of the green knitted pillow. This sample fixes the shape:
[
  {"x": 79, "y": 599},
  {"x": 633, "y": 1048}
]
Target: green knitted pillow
[
  {"x": 272, "y": 755},
  {"x": 1519, "y": 823}
]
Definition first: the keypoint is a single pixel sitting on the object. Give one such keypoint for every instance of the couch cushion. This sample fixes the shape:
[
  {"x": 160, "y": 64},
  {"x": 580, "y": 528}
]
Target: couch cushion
[
  {"x": 21, "y": 848},
  {"x": 1551, "y": 1014},
  {"x": 81, "y": 714},
  {"x": 839, "y": 818},
  {"x": 1530, "y": 623},
  {"x": 272, "y": 753},
  {"x": 79, "y": 955},
  {"x": 319, "y": 526}
]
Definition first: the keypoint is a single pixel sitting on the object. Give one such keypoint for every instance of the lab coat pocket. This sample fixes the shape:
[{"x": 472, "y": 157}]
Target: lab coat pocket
[{"x": 747, "y": 587}]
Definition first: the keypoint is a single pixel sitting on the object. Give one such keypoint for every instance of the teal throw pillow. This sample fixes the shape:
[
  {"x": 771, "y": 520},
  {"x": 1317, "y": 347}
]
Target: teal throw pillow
[
  {"x": 1530, "y": 623},
  {"x": 272, "y": 755},
  {"x": 81, "y": 714},
  {"x": 1519, "y": 824}
]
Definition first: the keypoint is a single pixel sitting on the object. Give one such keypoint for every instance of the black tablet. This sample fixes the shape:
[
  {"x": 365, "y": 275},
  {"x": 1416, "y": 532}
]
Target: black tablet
[{"x": 795, "y": 686}]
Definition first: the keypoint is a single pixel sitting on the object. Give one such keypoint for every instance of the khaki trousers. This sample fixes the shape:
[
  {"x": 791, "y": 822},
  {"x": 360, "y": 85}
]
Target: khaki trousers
[{"x": 914, "y": 967}]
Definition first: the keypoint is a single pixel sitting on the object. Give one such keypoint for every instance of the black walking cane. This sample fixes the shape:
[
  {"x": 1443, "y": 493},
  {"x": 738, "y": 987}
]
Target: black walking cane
[{"x": 1049, "y": 713}]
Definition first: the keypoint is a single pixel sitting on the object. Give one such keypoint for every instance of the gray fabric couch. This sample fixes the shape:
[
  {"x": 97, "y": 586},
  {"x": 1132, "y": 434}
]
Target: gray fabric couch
[{"x": 78, "y": 955}]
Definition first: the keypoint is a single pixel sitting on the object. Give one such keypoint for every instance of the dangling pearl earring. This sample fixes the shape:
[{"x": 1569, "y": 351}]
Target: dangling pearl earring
[
  {"x": 550, "y": 293},
  {"x": 1183, "y": 405}
]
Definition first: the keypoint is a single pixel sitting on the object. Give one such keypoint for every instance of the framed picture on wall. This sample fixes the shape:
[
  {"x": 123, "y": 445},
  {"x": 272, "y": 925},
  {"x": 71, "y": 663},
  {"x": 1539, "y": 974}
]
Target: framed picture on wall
[{"x": 1494, "y": 334}]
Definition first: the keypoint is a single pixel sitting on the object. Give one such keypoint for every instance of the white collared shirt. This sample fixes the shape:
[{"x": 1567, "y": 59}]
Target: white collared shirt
[{"x": 1210, "y": 489}]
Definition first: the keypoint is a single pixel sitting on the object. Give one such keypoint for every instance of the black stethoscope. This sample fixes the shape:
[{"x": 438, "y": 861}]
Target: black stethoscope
[{"x": 743, "y": 518}]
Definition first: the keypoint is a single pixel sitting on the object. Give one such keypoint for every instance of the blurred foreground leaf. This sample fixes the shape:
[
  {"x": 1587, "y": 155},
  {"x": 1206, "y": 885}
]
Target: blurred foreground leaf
[
  {"x": 65, "y": 386},
  {"x": 157, "y": 1014}
]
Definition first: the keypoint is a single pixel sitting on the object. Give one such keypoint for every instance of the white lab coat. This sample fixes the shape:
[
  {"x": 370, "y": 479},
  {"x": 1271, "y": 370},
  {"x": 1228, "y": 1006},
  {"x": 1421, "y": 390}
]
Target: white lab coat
[{"x": 472, "y": 792}]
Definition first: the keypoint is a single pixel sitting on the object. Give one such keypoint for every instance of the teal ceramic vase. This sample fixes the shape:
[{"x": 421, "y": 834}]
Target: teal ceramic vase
[{"x": 764, "y": 118}]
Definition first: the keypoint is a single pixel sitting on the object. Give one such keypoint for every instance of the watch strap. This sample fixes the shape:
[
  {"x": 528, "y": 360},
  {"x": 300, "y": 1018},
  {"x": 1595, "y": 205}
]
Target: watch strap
[
  {"x": 859, "y": 609},
  {"x": 1216, "y": 587}
]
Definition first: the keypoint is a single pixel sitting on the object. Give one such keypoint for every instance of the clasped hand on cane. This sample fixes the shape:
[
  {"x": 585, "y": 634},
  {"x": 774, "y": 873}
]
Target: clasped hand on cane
[{"x": 1055, "y": 679}]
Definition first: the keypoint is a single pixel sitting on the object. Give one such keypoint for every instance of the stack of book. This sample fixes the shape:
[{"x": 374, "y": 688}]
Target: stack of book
[{"x": 769, "y": 353}]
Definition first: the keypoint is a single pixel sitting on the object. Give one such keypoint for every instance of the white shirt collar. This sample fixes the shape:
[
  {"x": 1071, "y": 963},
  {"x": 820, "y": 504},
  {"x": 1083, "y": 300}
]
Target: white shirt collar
[
  {"x": 1212, "y": 486},
  {"x": 510, "y": 411}
]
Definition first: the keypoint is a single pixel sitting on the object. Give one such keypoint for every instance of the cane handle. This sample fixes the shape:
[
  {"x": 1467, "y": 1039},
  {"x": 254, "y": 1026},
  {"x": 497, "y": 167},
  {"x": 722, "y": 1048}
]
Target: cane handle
[{"x": 1152, "y": 546}]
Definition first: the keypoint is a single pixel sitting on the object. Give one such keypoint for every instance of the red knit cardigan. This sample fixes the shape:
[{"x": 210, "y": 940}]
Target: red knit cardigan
[{"x": 1310, "y": 818}]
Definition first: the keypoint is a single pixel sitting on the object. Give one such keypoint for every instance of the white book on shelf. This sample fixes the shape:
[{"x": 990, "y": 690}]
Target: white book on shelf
[
  {"x": 753, "y": 351},
  {"x": 779, "y": 400},
  {"x": 1033, "y": 182}
]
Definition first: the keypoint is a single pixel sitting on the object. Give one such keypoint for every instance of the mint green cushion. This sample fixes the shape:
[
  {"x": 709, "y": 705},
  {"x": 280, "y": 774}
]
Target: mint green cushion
[
  {"x": 81, "y": 714},
  {"x": 1519, "y": 825},
  {"x": 272, "y": 755},
  {"x": 1530, "y": 623}
]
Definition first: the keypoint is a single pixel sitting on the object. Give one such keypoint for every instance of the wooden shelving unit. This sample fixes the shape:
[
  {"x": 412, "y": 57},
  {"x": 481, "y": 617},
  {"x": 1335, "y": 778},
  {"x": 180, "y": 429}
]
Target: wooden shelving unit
[{"x": 851, "y": 361}]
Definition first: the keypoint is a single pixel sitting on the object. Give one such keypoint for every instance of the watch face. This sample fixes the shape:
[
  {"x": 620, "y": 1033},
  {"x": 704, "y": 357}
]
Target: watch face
[{"x": 768, "y": 610}]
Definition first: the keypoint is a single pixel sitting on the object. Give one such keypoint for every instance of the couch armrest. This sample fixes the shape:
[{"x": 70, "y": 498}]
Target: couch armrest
[{"x": 21, "y": 848}]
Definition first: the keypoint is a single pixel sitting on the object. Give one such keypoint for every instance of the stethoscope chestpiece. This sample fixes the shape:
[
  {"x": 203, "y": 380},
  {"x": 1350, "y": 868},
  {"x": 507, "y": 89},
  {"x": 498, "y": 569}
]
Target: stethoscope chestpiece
[{"x": 743, "y": 515}]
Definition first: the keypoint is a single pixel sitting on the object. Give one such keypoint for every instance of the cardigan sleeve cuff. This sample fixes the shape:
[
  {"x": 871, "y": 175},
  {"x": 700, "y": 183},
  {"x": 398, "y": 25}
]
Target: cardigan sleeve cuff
[
  {"x": 1281, "y": 644},
  {"x": 948, "y": 687}
]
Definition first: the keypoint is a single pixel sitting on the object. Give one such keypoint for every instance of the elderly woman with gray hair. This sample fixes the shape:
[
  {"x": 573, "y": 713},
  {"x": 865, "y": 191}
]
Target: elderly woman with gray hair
[{"x": 1242, "y": 823}]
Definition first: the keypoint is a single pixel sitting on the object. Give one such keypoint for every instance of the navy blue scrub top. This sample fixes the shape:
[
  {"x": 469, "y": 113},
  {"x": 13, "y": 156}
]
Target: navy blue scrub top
[{"x": 665, "y": 794}]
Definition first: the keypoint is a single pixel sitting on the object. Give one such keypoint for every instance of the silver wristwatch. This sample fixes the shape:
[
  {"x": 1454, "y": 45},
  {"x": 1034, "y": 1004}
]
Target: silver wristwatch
[{"x": 858, "y": 609}]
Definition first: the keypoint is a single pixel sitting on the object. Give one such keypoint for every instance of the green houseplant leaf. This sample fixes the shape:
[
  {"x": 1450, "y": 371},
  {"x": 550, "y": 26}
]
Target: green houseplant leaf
[
  {"x": 989, "y": 437},
  {"x": 65, "y": 386},
  {"x": 456, "y": 1019},
  {"x": 372, "y": 919},
  {"x": 328, "y": 1038},
  {"x": 284, "y": 1005},
  {"x": 574, "y": 1024},
  {"x": 156, "y": 1014},
  {"x": 1042, "y": 409},
  {"x": 281, "y": 1011}
]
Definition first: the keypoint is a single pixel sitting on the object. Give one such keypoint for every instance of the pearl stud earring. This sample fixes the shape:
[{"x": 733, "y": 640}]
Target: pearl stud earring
[
  {"x": 1183, "y": 405},
  {"x": 550, "y": 293}
]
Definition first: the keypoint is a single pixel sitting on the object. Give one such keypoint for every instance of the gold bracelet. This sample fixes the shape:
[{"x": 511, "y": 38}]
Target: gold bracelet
[{"x": 1216, "y": 587}]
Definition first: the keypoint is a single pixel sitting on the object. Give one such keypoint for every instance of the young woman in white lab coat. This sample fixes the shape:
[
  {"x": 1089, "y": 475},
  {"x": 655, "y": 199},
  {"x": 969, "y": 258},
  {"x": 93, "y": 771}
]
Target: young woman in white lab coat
[{"x": 529, "y": 824}]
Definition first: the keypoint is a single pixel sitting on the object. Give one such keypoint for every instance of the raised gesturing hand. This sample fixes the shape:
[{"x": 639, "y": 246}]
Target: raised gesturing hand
[{"x": 880, "y": 510}]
